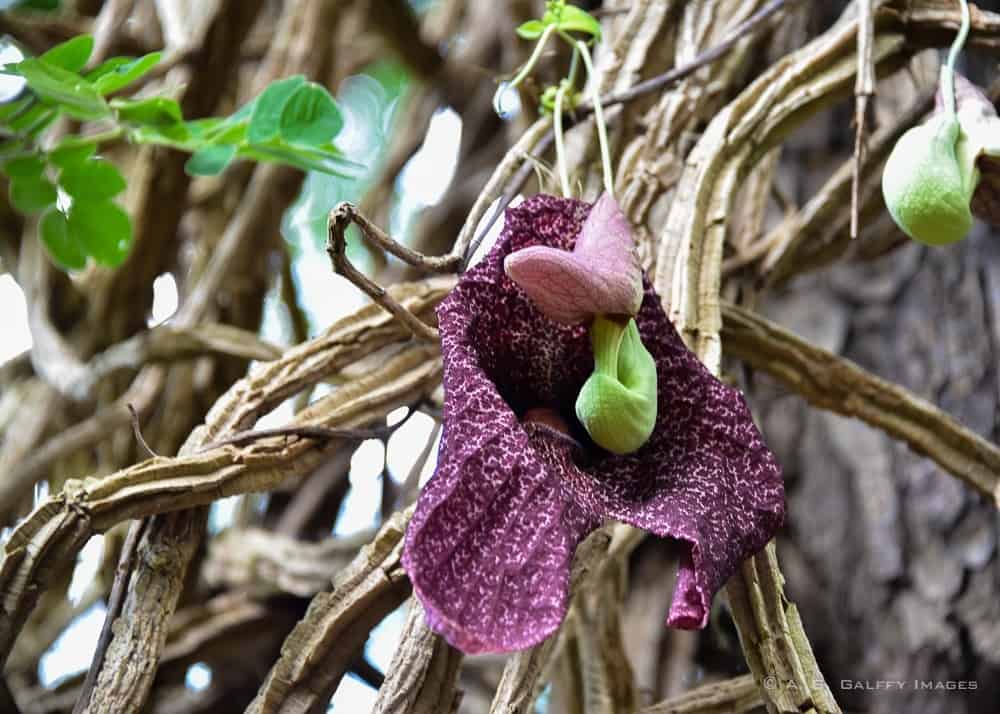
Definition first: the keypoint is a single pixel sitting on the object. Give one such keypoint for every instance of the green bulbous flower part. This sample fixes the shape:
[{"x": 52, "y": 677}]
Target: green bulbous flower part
[
  {"x": 927, "y": 185},
  {"x": 617, "y": 404}
]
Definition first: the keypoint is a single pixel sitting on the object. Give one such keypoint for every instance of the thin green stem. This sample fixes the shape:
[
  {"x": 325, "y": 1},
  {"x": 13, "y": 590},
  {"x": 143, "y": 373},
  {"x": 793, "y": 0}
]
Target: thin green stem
[
  {"x": 574, "y": 65},
  {"x": 948, "y": 71},
  {"x": 532, "y": 60},
  {"x": 602, "y": 129},
  {"x": 557, "y": 118},
  {"x": 100, "y": 137}
]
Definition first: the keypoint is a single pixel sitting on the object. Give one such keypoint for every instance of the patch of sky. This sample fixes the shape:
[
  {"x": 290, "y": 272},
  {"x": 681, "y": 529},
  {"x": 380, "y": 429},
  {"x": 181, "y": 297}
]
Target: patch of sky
[
  {"x": 360, "y": 508},
  {"x": 88, "y": 562},
  {"x": 222, "y": 513},
  {"x": 165, "y": 299},
  {"x": 383, "y": 639},
  {"x": 72, "y": 651},
  {"x": 15, "y": 337},
  {"x": 352, "y": 696},
  {"x": 198, "y": 677},
  {"x": 10, "y": 85},
  {"x": 427, "y": 175},
  {"x": 406, "y": 443}
]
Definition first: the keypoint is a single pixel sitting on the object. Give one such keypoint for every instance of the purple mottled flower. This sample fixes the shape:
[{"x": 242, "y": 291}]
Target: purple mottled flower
[{"x": 519, "y": 483}]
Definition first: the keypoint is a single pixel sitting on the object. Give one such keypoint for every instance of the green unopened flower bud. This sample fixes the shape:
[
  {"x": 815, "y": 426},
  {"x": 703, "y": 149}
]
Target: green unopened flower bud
[
  {"x": 617, "y": 404},
  {"x": 927, "y": 185}
]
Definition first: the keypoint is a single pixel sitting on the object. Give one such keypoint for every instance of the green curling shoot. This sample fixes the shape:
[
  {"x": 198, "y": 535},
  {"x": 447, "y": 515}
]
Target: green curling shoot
[{"x": 617, "y": 404}]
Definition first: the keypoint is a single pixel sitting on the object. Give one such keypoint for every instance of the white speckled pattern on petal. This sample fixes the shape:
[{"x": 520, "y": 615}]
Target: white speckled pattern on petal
[{"x": 490, "y": 546}]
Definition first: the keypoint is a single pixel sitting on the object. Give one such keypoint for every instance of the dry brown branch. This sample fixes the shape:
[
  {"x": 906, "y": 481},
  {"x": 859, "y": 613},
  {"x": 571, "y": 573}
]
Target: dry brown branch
[
  {"x": 663, "y": 81},
  {"x": 732, "y": 696},
  {"x": 265, "y": 563},
  {"x": 377, "y": 368},
  {"x": 834, "y": 383},
  {"x": 48, "y": 540},
  {"x": 310, "y": 498},
  {"x": 518, "y": 177},
  {"x": 423, "y": 675},
  {"x": 610, "y": 684},
  {"x": 688, "y": 278},
  {"x": 344, "y": 215},
  {"x": 157, "y": 202},
  {"x": 167, "y": 343},
  {"x": 864, "y": 90},
  {"x": 20, "y": 479},
  {"x": 234, "y": 634},
  {"x": 464, "y": 246},
  {"x": 319, "y": 650}
]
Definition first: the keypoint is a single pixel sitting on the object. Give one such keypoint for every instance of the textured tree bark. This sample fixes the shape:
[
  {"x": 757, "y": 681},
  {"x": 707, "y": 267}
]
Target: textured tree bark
[{"x": 892, "y": 561}]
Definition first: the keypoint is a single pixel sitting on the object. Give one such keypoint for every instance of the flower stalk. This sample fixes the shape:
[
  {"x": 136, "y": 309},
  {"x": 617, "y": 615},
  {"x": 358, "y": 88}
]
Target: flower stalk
[{"x": 948, "y": 71}]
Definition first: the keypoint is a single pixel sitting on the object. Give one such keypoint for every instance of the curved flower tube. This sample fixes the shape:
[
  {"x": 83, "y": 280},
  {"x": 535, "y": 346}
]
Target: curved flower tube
[{"x": 519, "y": 483}]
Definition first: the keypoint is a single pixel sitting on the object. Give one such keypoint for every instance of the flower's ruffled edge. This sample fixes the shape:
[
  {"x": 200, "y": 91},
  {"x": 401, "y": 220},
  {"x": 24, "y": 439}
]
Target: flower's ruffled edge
[{"x": 699, "y": 417}]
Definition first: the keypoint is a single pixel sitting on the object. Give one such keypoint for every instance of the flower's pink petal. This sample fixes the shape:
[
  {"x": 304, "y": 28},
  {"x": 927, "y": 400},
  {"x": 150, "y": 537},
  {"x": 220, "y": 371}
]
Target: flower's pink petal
[
  {"x": 607, "y": 248},
  {"x": 564, "y": 287},
  {"x": 600, "y": 276}
]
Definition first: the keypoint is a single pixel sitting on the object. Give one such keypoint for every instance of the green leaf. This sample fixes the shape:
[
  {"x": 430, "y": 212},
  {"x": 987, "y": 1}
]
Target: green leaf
[
  {"x": 216, "y": 131},
  {"x": 70, "y": 152},
  {"x": 152, "y": 111},
  {"x": 573, "y": 19},
  {"x": 15, "y": 107},
  {"x": 102, "y": 228},
  {"x": 71, "y": 55},
  {"x": 54, "y": 231},
  {"x": 265, "y": 119},
  {"x": 308, "y": 158},
  {"x": 33, "y": 118},
  {"x": 244, "y": 112},
  {"x": 120, "y": 72},
  {"x": 106, "y": 67},
  {"x": 203, "y": 128},
  {"x": 24, "y": 167},
  {"x": 210, "y": 161},
  {"x": 92, "y": 180},
  {"x": 75, "y": 95},
  {"x": 32, "y": 194},
  {"x": 176, "y": 136},
  {"x": 531, "y": 30},
  {"x": 310, "y": 116},
  {"x": 43, "y": 5}
]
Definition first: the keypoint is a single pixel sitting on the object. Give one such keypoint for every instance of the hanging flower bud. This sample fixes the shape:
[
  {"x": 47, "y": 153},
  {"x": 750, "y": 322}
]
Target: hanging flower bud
[
  {"x": 601, "y": 275},
  {"x": 617, "y": 404},
  {"x": 926, "y": 187}
]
